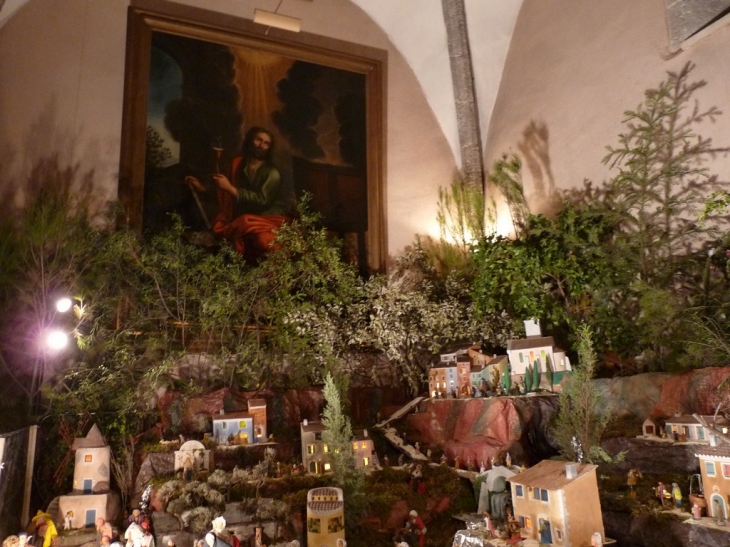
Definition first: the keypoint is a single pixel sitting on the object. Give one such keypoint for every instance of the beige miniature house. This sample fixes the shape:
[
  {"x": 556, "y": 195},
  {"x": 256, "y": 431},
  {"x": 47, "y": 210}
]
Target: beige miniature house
[
  {"x": 715, "y": 470},
  {"x": 557, "y": 503},
  {"x": 316, "y": 454},
  {"x": 364, "y": 451},
  {"x": 90, "y": 497},
  {"x": 442, "y": 381},
  {"x": 478, "y": 358},
  {"x": 325, "y": 517}
]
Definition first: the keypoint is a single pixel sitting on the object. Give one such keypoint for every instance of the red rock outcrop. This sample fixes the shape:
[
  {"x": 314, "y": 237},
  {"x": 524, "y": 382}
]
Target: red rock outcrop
[{"x": 479, "y": 429}]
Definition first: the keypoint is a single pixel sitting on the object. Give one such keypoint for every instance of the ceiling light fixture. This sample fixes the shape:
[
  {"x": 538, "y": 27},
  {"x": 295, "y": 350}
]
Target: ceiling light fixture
[{"x": 276, "y": 20}]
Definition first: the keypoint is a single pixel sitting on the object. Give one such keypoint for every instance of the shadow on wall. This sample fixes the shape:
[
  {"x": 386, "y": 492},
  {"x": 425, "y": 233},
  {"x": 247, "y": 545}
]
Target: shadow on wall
[
  {"x": 48, "y": 154},
  {"x": 534, "y": 147}
]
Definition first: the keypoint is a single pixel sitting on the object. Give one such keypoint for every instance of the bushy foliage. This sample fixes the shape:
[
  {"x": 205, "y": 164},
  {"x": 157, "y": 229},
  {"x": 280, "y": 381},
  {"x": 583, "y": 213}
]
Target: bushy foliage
[
  {"x": 554, "y": 272},
  {"x": 630, "y": 261}
]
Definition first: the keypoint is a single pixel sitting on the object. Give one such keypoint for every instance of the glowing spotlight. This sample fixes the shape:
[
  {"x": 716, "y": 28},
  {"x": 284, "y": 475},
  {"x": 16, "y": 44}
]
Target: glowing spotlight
[
  {"x": 56, "y": 340},
  {"x": 64, "y": 304}
]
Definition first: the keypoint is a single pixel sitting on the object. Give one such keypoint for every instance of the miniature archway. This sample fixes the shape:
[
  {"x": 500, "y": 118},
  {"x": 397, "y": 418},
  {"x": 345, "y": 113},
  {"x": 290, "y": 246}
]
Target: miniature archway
[
  {"x": 717, "y": 506},
  {"x": 544, "y": 530}
]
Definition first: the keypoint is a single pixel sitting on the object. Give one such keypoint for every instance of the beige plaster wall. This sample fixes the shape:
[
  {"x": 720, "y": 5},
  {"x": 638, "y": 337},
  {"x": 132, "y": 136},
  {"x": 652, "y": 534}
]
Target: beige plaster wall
[
  {"x": 573, "y": 68},
  {"x": 62, "y": 68}
]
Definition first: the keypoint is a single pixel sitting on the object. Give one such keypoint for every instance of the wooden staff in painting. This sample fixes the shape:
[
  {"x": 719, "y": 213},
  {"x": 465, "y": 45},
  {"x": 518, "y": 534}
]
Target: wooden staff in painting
[{"x": 252, "y": 207}]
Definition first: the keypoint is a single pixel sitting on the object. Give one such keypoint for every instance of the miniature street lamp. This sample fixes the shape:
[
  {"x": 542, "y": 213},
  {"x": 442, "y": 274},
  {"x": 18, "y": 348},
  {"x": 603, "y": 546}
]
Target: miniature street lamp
[
  {"x": 64, "y": 304},
  {"x": 56, "y": 339}
]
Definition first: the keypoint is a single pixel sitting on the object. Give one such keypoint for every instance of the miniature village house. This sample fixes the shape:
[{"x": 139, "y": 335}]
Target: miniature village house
[
  {"x": 463, "y": 375},
  {"x": 451, "y": 376},
  {"x": 316, "y": 454},
  {"x": 90, "y": 497},
  {"x": 442, "y": 380},
  {"x": 689, "y": 428},
  {"x": 649, "y": 428},
  {"x": 364, "y": 449},
  {"x": 715, "y": 470},
  {"x": 460, "y": 370},
  {"x": 495, "y": 368},
  {"x": 536, "y": 348},
  {"x": 257, "y": 409},
  {"x": 477, "y": 356},
  {"x": 557, "y": 503},
  {"x": 192, "y": 456},
  {"x": 325, "y": 517},
  {"x": 241, "y": 428}
]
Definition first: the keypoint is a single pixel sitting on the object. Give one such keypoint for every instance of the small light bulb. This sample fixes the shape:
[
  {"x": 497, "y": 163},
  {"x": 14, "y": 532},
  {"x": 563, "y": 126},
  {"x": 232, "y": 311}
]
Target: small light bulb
[
  {"x": 57, "y": 340},
  {"x": 63, "y": 305}
]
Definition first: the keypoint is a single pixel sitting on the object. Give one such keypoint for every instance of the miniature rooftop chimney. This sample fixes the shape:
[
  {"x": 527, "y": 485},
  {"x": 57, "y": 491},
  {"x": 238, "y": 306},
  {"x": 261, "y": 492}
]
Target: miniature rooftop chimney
[
  {"x": 571, "y": 470},
  {"x": 305, "y": 422},
  {"x": 532, "y": 328},
  {"x": 364, "y": 432}
]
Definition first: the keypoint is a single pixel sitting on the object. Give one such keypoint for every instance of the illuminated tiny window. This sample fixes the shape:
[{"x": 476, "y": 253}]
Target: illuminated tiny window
[
  {"x": 325, "y": 448},
  {"x": 311, "y": 449},
  {"x": 314, "y": 526},
  {"x": 327, "y": 466},
  {"x": 364, "y": 445},
  {"x": 88, "y": 458},
  {"x": 366, "y": 461},
  {"x": 726, "y": 470},
  {"x": 335, "y": 524},
  {"x": 354, "y": 446}
]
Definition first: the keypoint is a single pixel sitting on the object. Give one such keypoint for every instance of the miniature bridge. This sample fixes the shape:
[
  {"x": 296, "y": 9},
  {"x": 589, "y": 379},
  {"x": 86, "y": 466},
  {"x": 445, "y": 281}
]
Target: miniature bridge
[
  {"x": 400, "y": 413},
  {"x": 391, "y": 434}
]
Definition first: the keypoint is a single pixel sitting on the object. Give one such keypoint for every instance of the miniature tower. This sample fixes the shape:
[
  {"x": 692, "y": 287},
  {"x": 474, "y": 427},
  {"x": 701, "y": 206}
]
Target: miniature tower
[
  {"x": 90, "y": 495},
  {"x": 325, "y": 516}
]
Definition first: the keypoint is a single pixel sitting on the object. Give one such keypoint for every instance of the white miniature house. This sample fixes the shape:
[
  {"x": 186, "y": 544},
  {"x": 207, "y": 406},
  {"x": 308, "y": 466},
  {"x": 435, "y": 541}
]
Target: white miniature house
[
  {"x": 90, "y": 497},
  {"x": 193, "y": 455},
  {"x": 536, "y": 348},
  {"x": 688, "y": 428}
]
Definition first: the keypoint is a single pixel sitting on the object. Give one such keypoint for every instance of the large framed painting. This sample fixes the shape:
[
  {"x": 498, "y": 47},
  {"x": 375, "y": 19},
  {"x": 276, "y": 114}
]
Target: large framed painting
[{"x": 229, "y": 125}]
